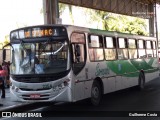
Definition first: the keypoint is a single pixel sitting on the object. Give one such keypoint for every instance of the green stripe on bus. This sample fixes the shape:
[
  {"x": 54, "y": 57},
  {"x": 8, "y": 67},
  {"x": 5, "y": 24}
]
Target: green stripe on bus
[
  {"x": 151, "y": 61},
  {"x": 131, "y": 68}
]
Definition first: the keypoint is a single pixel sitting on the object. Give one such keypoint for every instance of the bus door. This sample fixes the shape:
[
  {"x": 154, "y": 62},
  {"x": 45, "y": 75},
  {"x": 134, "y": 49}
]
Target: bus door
[{"x": 78, "y": 66}]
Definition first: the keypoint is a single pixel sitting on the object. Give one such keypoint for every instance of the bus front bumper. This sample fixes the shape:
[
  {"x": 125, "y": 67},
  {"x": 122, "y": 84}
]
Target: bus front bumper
[{"x": 51, "y": 95}]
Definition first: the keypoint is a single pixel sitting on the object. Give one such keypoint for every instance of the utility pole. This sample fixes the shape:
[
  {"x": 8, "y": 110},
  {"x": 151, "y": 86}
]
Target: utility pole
[
  {"x": 51, "y": 12},
  {"x": 156, "y": 25}
]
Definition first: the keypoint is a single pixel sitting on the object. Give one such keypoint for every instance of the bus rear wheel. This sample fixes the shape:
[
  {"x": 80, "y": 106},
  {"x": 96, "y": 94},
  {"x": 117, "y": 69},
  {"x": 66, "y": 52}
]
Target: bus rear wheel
[
  {"x": 96, "y": 93},
  {"x": 141, "y": 81}
]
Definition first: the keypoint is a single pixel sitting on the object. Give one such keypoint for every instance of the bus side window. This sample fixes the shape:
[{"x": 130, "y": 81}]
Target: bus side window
[
  {"x": 95, "y": 44},
  {"x": 141, "y": 49},
  {"x": 110, "y": 48},
  {"x": 122, "y": 49},
  {"x": 132, "y": 48},
  {"x": 149, "y": 49}
]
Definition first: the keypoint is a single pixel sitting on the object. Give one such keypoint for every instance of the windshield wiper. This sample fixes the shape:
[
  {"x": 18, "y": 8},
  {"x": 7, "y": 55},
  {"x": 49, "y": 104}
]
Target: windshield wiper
[{"x": 55, "y": 52}]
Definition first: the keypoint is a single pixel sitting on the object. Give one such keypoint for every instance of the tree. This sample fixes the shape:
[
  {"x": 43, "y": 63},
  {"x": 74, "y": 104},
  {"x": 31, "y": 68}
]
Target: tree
[
  {"x": 98, "y": 16},
  {"x": 109, "y": 21},
  {"x": 63, "y": 7},
  {"x": 127, "y": 24},
  {"x": 115, "y": 22},
  {"x": 6, "y": 40}
]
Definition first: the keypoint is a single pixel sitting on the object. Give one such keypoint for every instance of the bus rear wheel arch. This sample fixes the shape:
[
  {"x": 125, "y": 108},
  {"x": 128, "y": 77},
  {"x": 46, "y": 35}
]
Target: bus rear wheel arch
[{"x": 96, "y": 92}]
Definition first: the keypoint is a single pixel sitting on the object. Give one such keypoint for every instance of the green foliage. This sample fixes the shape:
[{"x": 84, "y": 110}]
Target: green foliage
[
  {"x": 98, "y": 16},
  {"x": 62, "y": 7},
  {"x": 119, "y": 23},
  {"x": 70, "y": 13},
  {"x": 128, "y": 25},
  {"x": 6, "y": 41},
  {"x": 110, "y": 21}
]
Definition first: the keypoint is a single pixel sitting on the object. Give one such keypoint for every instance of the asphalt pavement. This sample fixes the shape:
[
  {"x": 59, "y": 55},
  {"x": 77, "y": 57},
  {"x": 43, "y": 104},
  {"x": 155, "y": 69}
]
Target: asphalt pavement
[
  {"x": 6, "y": 103},
  {"x": 127, "y": 100},
  {"x": 151, "y": 89}
]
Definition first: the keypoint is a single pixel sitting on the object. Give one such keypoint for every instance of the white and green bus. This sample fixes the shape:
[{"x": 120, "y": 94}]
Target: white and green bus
[{"x": 70, "y": 63}]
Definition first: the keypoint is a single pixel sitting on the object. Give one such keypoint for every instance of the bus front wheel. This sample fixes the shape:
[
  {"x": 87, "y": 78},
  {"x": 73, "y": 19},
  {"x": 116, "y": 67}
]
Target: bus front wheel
[{"x": 96, "y": 93}]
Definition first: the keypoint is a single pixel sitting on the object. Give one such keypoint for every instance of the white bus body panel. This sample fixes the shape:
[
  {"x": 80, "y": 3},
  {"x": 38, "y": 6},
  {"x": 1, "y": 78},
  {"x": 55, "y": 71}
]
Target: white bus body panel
[{"x": 53, "y": 94}]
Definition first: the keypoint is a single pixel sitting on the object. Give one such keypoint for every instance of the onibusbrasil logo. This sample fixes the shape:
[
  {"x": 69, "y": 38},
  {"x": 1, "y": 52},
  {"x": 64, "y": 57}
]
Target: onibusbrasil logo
[{"x": 15, "y": 114}]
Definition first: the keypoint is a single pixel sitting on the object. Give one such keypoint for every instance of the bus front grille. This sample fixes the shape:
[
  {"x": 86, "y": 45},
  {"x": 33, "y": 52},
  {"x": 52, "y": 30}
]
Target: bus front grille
[
  {"x": 28, "y": 89},
  {"x": 35, "y": 98}
]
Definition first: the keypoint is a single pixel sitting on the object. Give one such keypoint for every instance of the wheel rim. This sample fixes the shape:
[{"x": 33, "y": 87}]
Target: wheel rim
[{"x": 95, "y": 93}]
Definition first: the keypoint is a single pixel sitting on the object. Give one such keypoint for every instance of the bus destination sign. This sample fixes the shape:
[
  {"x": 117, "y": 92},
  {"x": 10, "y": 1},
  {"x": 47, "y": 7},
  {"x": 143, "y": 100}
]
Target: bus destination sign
[
  {"x": 35, "y": 32},
  {"x": 40, "y": 33}
]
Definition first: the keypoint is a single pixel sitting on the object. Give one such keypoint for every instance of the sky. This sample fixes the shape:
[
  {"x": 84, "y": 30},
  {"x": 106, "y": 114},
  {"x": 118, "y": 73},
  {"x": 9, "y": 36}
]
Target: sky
[{"x": 19, "y": 13}]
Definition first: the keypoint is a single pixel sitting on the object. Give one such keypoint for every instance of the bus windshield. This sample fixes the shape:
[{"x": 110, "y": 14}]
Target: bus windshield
[{"x": 40, "y": 58}]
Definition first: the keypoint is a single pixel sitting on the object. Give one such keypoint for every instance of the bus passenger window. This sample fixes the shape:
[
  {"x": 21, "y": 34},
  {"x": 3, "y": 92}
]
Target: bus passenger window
[
  {"x": 122, "y": 54},
  {"x": 95, "y": 48},
  {"x": 132, "y": 48},
  {"x": 141, "y": 44},
  {"x": 95, "y": 41},
  {"x": 122, "y": 50},
  {"x": 96, "y": 54},
  {"x": 109, "y": 42},
  {"x": 141, "y": 49},
  {"x": 110, "y": 50},
  {"x": 121, "y": 42},
  {"x": 148, "y": 49}
]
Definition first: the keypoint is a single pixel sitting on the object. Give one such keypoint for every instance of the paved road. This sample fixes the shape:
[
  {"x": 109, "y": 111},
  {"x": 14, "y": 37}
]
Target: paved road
[
  {"x": 118, "y": 105},
  {"x": 125, "y": 100}
]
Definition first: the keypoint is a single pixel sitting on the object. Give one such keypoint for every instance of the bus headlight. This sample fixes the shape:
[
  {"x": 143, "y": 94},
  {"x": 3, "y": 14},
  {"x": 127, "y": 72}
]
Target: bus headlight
[
  {"x": 16, "y": 89},
  {"x": 65, "y": 83},
  {"x": 61, "y": 86},
  {"x": 13, "y": 87}
]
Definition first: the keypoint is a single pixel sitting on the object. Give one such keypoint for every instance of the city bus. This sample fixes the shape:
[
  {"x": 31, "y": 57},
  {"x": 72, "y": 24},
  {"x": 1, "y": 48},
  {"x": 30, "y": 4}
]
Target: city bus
[{"x": 65, "y": 63}]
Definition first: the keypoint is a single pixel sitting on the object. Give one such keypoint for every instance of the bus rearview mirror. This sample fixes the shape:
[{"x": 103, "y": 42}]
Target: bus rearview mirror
[{"x": 4, "y": 54}]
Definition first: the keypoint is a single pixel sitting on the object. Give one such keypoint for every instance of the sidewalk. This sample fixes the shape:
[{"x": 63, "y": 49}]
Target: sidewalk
[{"x": 7, "y": 103}]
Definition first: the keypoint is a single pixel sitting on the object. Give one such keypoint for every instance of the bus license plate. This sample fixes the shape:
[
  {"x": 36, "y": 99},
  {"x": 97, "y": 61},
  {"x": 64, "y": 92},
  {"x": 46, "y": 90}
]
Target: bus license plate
[{"x": 35, "y": 96}]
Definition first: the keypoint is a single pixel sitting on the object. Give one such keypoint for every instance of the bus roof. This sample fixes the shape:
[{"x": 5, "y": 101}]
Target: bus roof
[
  {"x": 92, "y": 31},
  {"x": 109, "y": 33}
]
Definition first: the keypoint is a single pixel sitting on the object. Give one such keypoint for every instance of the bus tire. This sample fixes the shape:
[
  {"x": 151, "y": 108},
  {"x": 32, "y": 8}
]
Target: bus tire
[
  {"x": 141, "y": 81},
  {"x": 96, "y": 93}
]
